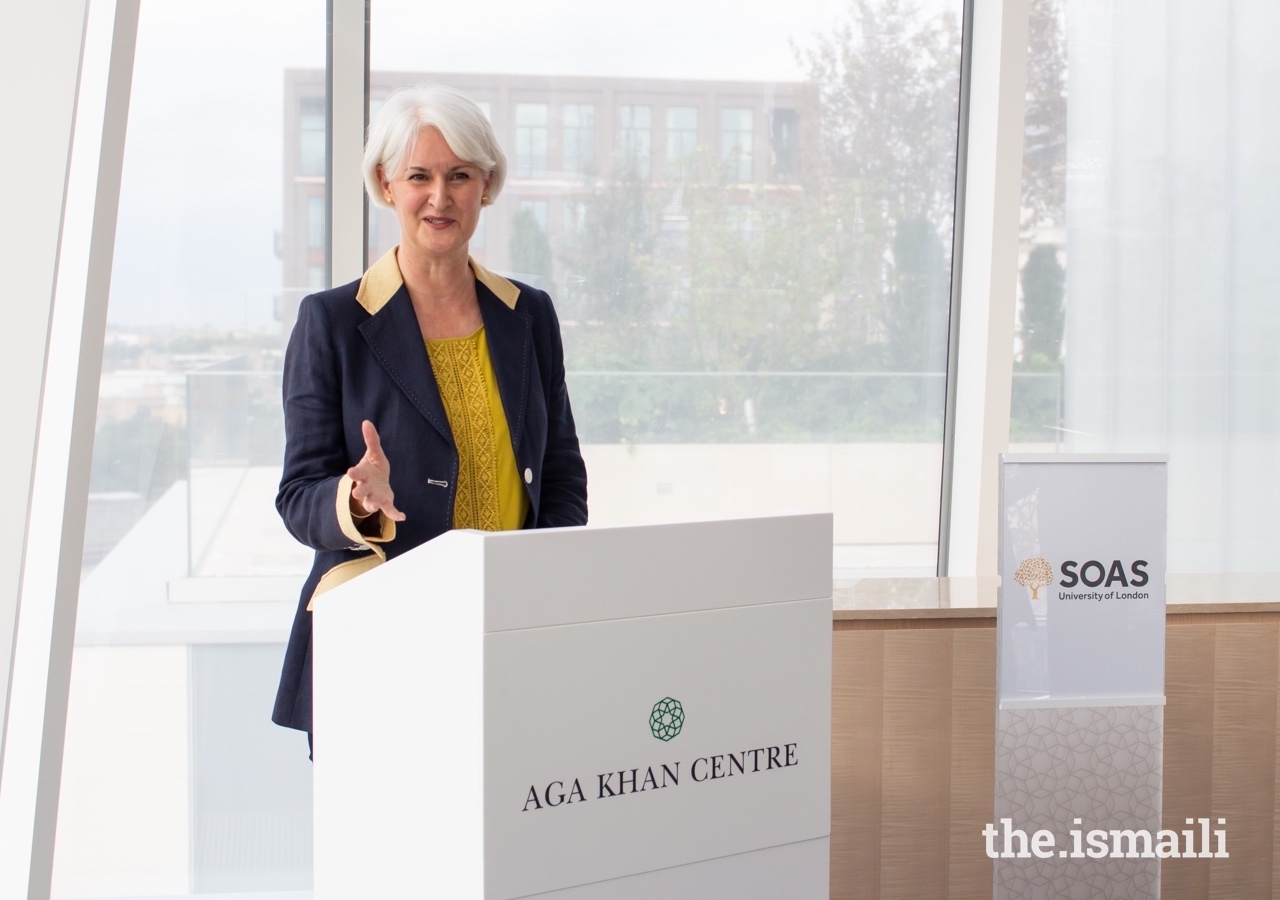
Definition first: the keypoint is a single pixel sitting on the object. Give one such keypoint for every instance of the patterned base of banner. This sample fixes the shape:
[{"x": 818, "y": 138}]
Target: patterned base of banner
[{"x": 1072, "y": 772}]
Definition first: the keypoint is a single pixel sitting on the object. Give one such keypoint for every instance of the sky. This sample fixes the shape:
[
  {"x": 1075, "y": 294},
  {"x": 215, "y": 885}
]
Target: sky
[{"x": 202, "y": 190}]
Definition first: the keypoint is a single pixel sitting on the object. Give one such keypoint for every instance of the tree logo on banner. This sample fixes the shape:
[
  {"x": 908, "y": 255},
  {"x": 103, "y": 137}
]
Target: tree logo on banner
[{"x": 1034, "y": 574}]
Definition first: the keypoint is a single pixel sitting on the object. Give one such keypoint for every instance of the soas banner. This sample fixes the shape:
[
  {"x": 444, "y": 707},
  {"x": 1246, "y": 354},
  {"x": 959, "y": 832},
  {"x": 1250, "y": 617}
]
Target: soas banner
[{"x": 1082, "y": 564}]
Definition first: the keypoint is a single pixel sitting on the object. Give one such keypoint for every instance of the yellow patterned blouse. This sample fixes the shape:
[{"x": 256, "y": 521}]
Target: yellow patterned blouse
[{"x": 490, "y": 493}]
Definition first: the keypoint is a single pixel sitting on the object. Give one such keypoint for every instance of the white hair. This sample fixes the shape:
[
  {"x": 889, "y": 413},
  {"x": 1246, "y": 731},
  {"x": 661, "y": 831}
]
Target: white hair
[{"x": 407, "y": 111}]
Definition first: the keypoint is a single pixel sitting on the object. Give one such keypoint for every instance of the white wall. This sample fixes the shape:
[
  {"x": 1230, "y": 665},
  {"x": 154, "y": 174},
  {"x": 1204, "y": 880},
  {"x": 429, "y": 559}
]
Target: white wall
[{"x": 124, "y": 817}]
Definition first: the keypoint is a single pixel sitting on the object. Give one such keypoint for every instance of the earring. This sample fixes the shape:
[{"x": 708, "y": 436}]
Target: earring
[
  {"x": 484, "y": 200},
  {"x": 388, "y": 198}
]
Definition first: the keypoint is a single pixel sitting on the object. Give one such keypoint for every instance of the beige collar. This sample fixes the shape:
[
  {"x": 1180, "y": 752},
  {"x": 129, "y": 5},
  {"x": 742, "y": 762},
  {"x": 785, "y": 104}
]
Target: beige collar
[{"x": 383, "y": 279}]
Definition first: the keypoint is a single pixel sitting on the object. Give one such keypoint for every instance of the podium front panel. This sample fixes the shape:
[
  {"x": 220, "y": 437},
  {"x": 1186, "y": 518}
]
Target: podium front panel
[
  {"x": 580, "y": 713},
  {"x": 654, "y": 742}
]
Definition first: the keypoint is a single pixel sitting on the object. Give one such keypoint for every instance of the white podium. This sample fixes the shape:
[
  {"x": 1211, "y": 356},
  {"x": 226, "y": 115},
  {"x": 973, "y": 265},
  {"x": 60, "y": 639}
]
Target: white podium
[{"x": 604, "y": 713}]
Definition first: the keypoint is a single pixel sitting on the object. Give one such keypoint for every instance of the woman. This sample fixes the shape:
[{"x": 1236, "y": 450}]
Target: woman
[{"x": 429, "y": 394}]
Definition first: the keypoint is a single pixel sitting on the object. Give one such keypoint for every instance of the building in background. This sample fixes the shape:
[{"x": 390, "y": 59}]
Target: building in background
[{"x": 567, "y": 140}]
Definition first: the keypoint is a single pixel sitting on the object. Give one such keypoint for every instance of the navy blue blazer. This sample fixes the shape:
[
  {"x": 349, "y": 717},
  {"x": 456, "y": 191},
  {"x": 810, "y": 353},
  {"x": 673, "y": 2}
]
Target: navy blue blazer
[{"x": 357, "y": 353}]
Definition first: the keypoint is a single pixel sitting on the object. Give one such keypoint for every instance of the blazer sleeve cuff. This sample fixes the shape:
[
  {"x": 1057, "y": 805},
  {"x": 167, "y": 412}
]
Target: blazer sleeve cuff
[{"x": 350, "y": 525}]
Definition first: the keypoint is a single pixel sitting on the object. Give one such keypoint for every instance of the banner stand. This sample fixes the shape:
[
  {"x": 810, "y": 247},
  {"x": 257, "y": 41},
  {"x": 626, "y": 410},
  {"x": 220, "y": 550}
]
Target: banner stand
[{"x": 1080, "y": 672}]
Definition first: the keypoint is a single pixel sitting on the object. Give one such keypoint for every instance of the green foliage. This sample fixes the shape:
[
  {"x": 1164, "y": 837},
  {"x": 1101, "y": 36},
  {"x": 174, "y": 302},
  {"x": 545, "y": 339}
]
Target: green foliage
[
  {"x": 612, "y": 285},
  {"x": 530, "y": 250},
  {"x": 1044, "y": 152},
  {"x": 1036, "y": 413},
  {"x": 1036, "y": 409},
  {"x": 783, "y": 408},
  {"x": 740, "y": 292},
  {"x": 918, "y": 299},
  {"x": 1036, "y": 406},
  {"x": 888, "y": 82},
  {"x": 144, "y": 455},
  {"x": 1043, "y": 291}
]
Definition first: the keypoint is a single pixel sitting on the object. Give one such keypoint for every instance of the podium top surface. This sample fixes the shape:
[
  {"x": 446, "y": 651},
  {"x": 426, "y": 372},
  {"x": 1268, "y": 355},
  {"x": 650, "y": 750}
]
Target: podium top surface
[{"x": 561, "y": 576}]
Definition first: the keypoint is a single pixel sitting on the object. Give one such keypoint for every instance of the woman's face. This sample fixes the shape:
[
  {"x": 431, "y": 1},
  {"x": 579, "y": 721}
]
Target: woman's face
[{"x": 437, "y": 198}]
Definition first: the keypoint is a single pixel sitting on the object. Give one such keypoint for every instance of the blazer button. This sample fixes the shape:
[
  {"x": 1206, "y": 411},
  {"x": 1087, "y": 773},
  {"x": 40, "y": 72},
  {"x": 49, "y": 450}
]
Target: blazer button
[{"x": 528, "y": 476}]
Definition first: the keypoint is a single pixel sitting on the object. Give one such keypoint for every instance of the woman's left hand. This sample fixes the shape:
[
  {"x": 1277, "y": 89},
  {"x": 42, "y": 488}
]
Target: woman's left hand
[{"x": 372, "y": 476}]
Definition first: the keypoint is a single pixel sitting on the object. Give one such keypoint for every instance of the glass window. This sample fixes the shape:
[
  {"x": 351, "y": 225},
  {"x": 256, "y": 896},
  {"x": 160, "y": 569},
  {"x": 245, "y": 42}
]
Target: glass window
[
  {"x": 579, "y": 138},
  {"x": 1146, "y": 312},
  {"x": 714, "y": 332},
  {"x": 530, "y": 249},
  {"x": 634, "y": 135},
  {"x": 682, "y": 132},
  {"x": 575, "y": 216},
  {"x": 736, "y": 137},
  {"x": 740, "y": 218},
  {"x": 311, "y": 135},
  {"x": 315, "y": 223},
  {"x": 784, "y": 142},
  {"x": 384, "y": 231},
  {"x": 175, "y": 782},
  {"x": 531, "y": 140},
  {"x": 538, "y": 210}
]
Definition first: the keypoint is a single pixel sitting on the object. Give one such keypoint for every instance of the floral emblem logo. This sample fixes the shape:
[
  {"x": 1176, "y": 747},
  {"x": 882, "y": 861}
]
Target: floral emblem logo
[{"x": 666, "y": 719}]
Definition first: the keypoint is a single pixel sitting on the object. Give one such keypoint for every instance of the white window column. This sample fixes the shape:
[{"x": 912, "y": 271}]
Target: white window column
[
  {"x": 983, "y": 363},
  {"x": 39, "y": 49},
  {"x": 348, "y": 93},
  {"x": 61, "y": 182}
]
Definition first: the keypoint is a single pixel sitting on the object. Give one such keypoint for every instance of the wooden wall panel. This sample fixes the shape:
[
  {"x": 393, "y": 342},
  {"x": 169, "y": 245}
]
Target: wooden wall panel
[
  {"x": 913, "y": 732},
  {"x": 973, "y": 748},
  {"x": 1244, "y": 738},
  {"x": 1188, "y": 750},
  {"x": 1275, "y": 806},
  {"x": 857, "y": 695},
  {"x": 915, "y": 830}
]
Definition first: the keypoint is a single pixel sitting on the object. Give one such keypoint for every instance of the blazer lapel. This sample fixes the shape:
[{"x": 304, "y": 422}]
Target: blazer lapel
[
  {"x": 393, "y": 335},
  {"x": 508, "y": 332}
]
